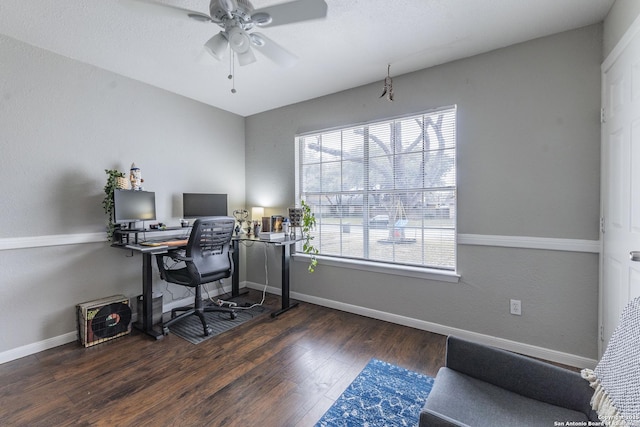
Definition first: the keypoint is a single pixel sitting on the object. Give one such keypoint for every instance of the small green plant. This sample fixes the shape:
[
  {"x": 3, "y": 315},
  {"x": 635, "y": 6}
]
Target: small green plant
[
  {"x": 308, "y": 223},
  {"x": 107, "y": 202}
]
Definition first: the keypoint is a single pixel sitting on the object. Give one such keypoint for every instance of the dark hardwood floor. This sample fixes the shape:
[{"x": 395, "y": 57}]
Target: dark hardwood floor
[{"x": 268, "y": 372}]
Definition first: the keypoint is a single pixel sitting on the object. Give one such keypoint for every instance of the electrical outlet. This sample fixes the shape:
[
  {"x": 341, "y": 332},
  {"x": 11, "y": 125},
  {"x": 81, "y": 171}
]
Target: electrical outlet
[{"x": 516, "y": 307}]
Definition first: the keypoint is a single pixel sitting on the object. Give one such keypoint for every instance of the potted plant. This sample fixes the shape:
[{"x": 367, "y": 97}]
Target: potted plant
[
  {"x": 114, "y": 180},
  {"x": 308, "y": 222}
]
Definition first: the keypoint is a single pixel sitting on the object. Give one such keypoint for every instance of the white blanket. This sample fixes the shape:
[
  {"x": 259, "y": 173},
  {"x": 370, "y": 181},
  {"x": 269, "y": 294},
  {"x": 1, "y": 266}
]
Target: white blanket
[{"x": 616, "y": 379}]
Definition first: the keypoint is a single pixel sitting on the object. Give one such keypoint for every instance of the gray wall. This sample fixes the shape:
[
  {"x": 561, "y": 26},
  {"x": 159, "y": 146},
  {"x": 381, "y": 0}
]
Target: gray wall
[
  {"x": 528, "y": 162},
  {"x": 61, "y": 124},
  {"x": 620, "y": 17}
]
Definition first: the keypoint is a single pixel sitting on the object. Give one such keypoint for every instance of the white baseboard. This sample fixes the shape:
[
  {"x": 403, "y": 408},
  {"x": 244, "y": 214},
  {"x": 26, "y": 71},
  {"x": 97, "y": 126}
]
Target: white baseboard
[
  {"x": 515, "y": 346},
  {"x": 37, "y": 347}
]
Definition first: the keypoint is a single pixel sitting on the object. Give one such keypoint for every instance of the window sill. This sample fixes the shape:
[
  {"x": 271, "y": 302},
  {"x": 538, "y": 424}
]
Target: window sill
[{"x": 378, "y": 267}]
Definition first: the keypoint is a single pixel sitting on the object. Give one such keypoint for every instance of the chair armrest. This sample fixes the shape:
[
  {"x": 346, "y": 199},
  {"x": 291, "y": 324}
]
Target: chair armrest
[
  {"x": 520, "y": 374},
  {"x": 180, "y": 257},
  {"x": 176, "y": 255}
]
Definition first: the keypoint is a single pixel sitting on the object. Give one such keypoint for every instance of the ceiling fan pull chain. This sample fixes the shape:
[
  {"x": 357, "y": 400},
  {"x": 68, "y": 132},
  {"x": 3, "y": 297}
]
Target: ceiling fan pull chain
[{"x": 232, "y": 72}]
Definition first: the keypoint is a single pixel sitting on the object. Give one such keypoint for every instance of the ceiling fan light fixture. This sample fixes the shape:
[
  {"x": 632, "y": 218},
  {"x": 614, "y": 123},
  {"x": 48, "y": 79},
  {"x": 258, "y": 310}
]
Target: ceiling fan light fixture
[
  {"x": 217, "y": 45},
  {"x": 239, "y": 40},
  {"x": 246, "y": 58}
]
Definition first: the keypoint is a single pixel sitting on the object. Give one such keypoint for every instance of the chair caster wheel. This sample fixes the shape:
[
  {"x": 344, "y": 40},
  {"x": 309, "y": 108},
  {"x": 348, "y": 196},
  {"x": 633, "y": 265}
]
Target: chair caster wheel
[
  {"x": 233, "y": 316},
  {"x": 165, "y": 331},
  {"x": 208, "y": 331}
]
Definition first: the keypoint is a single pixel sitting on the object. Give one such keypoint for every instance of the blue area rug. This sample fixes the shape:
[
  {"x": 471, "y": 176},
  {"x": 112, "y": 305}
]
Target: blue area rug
[{"x": 381, "y": 395}]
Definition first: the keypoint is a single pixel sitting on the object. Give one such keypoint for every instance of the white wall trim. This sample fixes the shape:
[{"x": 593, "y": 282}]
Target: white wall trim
[
  {"x": 572, "y": 245},
  {"x": 518, "y": 347},
  {"x": 526, "y": 242},
  {"x": 9, "y": 243}
]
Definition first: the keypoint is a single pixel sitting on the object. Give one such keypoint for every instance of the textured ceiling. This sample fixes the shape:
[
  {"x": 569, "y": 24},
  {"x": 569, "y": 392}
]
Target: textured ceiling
[{"x": 350, "y": 48}]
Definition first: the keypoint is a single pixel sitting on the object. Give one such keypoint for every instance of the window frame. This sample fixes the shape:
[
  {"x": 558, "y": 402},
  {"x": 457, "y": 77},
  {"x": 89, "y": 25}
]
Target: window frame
[{"x": 423, "y": 270}]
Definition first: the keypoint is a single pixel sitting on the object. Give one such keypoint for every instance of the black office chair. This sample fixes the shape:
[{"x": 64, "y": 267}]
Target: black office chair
[{"x": 207, "y": 258}]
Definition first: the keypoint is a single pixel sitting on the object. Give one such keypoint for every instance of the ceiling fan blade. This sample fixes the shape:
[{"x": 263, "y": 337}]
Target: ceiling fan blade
[
  {"x": 293, "y": 11},
  {"x": 147, "y": 6},
  {"x": 245, "y": 58},
  {"x": 273, "y": 50}
]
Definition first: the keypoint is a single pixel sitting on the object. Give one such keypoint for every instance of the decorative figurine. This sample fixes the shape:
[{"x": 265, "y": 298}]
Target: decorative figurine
[
  {"x": 241, "y": 216},
  {"x": 135, "y": 176}
]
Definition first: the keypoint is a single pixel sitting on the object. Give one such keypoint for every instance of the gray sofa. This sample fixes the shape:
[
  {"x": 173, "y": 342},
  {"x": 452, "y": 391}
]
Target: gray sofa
[{"x": 486, "y": 386}]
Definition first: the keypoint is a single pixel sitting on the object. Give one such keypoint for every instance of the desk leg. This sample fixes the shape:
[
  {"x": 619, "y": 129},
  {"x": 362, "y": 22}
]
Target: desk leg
[
  {"x": 286, "y": 304},
  {"x": 235, "y": 279},
  {"x": 146, "y": 325}
]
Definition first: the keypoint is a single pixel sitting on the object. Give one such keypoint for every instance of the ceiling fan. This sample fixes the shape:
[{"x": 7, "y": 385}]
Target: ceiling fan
[{"x": 238, "y": 18}]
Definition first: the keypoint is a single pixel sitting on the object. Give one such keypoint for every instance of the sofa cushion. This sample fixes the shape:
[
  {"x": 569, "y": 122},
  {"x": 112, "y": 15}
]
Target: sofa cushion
[
  {"x": 470, "y": 401},
  {"x": 521, "y": 375}
]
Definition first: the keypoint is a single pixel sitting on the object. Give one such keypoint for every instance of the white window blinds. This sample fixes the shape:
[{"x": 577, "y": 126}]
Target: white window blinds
[{"x": 384, "y": 191}]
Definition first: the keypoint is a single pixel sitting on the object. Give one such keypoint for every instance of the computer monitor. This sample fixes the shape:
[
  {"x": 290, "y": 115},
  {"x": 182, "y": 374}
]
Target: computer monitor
[
  {"x": 198, "y": 205},
  {"x": 133, "y": 205}
]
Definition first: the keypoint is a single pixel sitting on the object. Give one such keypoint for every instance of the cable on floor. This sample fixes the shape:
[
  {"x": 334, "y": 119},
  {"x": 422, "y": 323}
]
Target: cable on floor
[{"x": 264, "y": 290}]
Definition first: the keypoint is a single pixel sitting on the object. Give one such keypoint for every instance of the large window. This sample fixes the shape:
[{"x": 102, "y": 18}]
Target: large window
[{"x": 384, "y": 191}]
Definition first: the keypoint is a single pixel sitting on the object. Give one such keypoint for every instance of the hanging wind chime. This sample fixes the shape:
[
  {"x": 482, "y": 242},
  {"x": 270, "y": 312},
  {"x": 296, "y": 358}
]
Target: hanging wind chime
[{"x": 388, "y": 85}]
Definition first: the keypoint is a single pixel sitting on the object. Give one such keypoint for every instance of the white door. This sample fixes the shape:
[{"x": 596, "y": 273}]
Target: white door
[{"x": 620, "y": 187}]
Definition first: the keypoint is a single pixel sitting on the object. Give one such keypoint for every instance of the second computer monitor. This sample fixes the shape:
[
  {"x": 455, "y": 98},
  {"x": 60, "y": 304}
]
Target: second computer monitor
[{"x": 198, "y": 205}]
